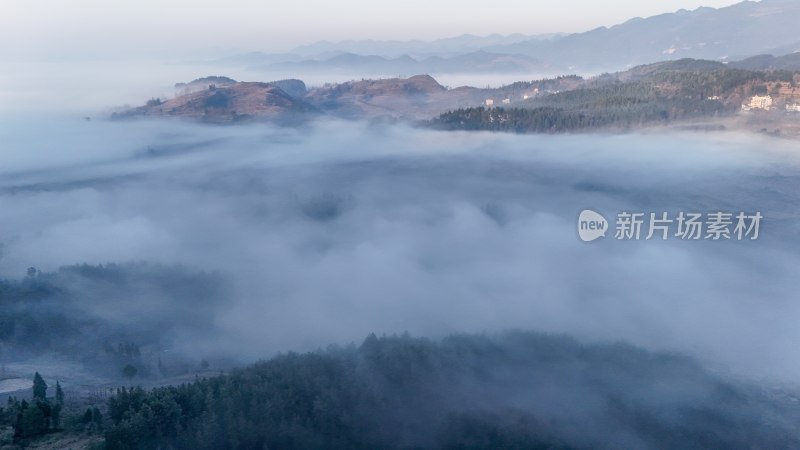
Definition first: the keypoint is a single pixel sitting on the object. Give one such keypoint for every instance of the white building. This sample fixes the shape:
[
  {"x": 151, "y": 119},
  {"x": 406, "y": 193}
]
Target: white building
[
  {"x": 489, "y": 102},
  {"x": 506, "y": 101},
  {"x": 793, "y": 107},
  {"x": 764, "y": 102},
  {"x": 530, "y": 94}
]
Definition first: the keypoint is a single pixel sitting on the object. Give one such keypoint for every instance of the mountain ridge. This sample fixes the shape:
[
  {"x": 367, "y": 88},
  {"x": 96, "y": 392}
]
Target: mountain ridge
[
  {"x": 735, "y": 31},
  {"x": 662, "y": 92},
  {"x": 728, "y": 33}
]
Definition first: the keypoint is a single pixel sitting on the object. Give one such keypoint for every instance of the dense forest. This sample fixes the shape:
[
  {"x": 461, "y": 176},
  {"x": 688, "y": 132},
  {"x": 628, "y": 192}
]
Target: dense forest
[
  {"x": 649, "y": 95},
  {"x": 512, "y": 391}
]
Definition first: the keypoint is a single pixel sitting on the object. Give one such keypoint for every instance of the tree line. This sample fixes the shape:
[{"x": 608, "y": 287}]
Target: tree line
[
  {"x": 616, "y": 102},
  {"x": 511, "y": 391}
]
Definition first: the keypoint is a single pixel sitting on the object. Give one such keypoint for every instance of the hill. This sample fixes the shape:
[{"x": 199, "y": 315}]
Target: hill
[
  {"x": 512, "y": 391},
  {"x": 397, "y": 97},
  {"x": 676, "y": 66},
  {"x": 769, "y": 62},
  {"x": 657, "y": 94},
  {"x": 236, "y": 102}
]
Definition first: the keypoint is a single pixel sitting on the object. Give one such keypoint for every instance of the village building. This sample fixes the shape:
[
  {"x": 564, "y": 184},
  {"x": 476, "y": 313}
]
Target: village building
[{"x": 763, "y": 102}]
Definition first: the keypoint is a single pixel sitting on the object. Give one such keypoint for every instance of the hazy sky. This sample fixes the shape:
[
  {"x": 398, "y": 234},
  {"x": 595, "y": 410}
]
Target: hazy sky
[{"x": 52, "y": 29}]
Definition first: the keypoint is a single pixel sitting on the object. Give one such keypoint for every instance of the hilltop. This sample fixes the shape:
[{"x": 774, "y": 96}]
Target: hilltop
[{"x": 231, "y": 102}]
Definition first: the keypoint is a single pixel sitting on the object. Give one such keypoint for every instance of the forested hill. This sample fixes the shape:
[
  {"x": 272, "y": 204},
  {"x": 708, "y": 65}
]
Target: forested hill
[
  {"x": 657, "y": 94},
  {"x": 513, "y": 391}
]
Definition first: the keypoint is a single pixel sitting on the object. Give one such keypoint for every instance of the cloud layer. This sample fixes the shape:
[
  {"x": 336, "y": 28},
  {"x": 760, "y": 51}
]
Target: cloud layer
[{"x": 333, "y": 231}]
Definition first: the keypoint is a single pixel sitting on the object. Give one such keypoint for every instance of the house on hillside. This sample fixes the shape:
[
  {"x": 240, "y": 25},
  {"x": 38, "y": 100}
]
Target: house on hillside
[
  {"x": 762, "y": 102},
  {"x": 793, "y": 107},
  {"x": 489, "y": 102},
  {"x": 530, "y": 94}
]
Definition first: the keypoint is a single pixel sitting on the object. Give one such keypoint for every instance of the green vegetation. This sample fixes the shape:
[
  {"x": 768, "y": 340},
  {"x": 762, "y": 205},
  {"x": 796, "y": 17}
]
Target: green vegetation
[
  {"x": 29, "y": 421},
  {"x": 650, "y": 95},
  {"x": 37, "y": 417},
  {"x": 514, "y": 391}
]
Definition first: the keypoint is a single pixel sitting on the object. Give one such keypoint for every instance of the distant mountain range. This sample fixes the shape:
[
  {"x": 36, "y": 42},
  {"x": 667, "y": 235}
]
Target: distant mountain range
[
  {"x": 454, "y": 55},
  {"x": 732, "y": 33},
  {"x": 474, "y": 62},
  {"x": 466, "y": 43}
]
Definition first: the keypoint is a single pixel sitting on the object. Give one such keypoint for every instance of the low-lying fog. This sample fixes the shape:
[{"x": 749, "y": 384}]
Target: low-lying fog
[{"x": 332, "y": 231}]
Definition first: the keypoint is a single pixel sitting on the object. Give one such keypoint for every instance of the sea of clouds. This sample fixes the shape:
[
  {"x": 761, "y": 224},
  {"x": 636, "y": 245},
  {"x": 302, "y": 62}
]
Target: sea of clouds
[{"x": 337, "y": 229}]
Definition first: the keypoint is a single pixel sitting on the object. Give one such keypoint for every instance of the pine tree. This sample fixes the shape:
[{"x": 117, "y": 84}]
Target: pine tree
[
  {"x": 31, "y": 422},
  {"x": 39, "y": 387}
]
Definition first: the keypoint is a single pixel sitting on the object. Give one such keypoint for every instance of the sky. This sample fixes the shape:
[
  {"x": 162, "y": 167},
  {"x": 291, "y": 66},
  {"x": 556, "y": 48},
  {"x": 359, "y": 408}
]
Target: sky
[{"x": 49, "y": 30}]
